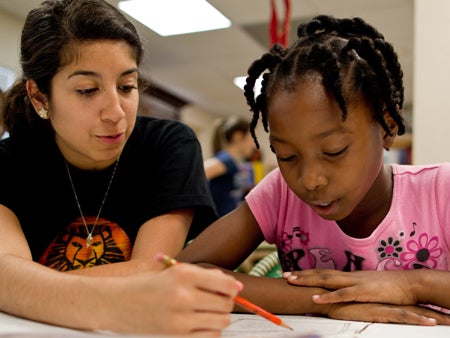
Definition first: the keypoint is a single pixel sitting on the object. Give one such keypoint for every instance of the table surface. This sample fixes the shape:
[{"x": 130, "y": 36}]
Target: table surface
[{"x": 245, "y": 326}]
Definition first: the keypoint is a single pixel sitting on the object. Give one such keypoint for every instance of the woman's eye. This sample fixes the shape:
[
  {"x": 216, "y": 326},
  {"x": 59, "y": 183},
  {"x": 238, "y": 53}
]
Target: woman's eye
[
  {"x": 87, "y": 92},
  {"x": 127, "y": 89},
  {"x": 336, "y": 153}
]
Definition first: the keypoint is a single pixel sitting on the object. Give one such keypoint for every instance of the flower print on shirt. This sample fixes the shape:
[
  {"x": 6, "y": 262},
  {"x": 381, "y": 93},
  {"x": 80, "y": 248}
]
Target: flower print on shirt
[
  {"x": 422, "y": 253},
  {"x": 389, "y": 248}
]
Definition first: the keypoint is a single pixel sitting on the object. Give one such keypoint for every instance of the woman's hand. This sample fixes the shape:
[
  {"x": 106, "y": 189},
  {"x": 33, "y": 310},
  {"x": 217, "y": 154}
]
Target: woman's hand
[{"x": 180, "y": 300}]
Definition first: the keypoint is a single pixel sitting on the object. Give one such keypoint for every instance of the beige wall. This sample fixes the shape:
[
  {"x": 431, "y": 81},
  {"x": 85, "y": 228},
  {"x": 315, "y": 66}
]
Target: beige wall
[
  {"x": 10, "y": 30},
  {"x": 431, "y": 98}
]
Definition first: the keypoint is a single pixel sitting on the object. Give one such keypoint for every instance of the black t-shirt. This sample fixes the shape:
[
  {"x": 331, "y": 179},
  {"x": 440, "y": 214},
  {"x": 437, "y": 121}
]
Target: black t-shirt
[{"x": 160, "y": 170}]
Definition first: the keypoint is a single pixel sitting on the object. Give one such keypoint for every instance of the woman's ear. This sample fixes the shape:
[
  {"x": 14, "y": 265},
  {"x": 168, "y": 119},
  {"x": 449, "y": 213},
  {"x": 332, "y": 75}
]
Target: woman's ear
[
  {"x": 37, "y": 99},
  {"x": 388, "y": 139}
]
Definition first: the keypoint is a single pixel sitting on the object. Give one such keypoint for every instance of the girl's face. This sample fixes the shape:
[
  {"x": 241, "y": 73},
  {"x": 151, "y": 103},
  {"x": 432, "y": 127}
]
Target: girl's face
[
  {"x": 94, "y": 103},
  {"x": 329, "y": 163}
]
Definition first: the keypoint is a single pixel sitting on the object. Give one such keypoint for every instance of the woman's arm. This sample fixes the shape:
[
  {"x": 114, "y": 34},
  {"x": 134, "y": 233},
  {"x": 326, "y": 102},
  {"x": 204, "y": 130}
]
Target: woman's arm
[
  {"x": 179, "y": 300},
  {"x": 166, "y": 233}
]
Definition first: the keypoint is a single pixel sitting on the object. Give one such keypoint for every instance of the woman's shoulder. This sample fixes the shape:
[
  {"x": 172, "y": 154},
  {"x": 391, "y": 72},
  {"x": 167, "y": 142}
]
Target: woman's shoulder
[{"x": 153, "y": 124}]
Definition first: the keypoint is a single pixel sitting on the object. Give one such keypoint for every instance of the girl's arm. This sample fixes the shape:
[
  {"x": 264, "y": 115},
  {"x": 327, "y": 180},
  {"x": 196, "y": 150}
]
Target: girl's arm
[
  {"x": 166, "y": 233},
  {"x": 231, "y": 239},
  {"x": 402, "y": 287}
]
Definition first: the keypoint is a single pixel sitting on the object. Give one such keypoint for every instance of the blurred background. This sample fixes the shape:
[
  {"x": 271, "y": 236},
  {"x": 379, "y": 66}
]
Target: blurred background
[{"x": 193, "y": 74}]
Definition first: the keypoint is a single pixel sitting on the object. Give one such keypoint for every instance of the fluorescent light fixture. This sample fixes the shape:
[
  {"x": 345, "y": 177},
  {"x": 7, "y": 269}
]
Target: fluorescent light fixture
[
  {"x": 173, "y": 17},
  {"x": 240, "y": 81}
]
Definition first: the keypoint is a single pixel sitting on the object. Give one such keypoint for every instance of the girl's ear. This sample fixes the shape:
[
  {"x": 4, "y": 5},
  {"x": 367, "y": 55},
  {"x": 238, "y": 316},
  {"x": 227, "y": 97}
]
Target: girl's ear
[
  {"x": 388, "y": 139},
  {"x": 37, "y": 98}
]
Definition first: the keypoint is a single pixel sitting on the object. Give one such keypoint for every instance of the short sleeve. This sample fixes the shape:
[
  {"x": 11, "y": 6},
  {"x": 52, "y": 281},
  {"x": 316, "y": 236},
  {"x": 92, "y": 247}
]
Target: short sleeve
[
  {"x": 173, "y": 173},
  {"x": 442, "y": 188},
  {"x": 264, "y": 201}
]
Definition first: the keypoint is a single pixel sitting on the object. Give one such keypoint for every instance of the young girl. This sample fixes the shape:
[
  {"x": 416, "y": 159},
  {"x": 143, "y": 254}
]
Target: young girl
[
  {"x": 91, "y": 192},
  {"x": 341, "y": 219}
]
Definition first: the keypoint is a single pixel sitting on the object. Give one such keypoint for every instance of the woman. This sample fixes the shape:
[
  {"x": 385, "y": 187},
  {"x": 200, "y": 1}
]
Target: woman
[{"x": 87, "y": 183}]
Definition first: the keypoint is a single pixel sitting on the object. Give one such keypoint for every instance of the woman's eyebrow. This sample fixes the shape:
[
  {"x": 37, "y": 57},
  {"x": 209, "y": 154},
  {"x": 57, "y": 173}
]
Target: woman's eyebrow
[{"x": 94, "y": 74}]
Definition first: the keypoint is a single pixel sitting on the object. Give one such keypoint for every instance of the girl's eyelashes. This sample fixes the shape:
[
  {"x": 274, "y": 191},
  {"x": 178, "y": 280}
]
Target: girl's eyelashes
[
  {"x": 286, "y": 159},
  {"x": 282, "y": 159},
  {"x": 337, "y": 153}
]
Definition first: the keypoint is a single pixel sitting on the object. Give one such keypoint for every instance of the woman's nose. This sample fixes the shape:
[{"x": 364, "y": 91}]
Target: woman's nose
[{"x": 112, "y": 109}]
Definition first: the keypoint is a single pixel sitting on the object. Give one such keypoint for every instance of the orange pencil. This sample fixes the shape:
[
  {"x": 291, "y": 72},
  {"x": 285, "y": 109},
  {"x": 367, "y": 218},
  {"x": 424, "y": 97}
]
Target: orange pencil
[{"x": 169, "y": 261}]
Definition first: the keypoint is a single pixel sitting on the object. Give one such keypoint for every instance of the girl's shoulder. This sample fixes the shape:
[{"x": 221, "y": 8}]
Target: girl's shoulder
[{"x": 426, "y": 170}]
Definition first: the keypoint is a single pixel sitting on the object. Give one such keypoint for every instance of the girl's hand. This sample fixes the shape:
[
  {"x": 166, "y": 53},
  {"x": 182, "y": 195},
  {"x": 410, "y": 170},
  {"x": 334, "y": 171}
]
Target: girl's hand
[
  {"x": 391, "y": 287},
  {"x": 385, "y": 313}
]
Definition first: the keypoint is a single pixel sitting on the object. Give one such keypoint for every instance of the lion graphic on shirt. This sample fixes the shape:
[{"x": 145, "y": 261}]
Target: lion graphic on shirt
[{"x": 69, "y": 251}]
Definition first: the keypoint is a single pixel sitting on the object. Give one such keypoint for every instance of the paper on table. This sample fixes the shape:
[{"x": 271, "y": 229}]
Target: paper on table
[{"x": 250, "y": 326}]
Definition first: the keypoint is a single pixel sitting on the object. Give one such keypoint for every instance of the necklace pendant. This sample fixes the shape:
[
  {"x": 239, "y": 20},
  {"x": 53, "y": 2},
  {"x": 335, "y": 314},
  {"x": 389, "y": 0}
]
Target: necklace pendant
[{"x": 89, "y": 240}]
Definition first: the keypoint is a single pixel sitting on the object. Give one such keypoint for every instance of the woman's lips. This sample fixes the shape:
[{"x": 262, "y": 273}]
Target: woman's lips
[{"x": 112, "y": 139}]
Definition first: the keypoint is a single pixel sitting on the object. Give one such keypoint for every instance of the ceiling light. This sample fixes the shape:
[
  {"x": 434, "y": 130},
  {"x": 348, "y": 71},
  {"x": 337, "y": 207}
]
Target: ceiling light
[{"x": 173, "y": 17}]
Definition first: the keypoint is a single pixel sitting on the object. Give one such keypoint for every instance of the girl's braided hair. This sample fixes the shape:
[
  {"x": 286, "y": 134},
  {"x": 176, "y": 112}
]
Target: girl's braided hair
[{"x": 341, "y": 51}]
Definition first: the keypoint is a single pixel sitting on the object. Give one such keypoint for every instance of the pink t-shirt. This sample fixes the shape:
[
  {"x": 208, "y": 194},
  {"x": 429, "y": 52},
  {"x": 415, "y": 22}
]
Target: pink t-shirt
[{"x": 414, "y": 234}]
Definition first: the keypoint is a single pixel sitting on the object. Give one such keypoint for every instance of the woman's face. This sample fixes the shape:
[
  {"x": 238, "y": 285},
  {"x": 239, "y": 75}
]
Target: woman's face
[{"x": 94, "y": 103}]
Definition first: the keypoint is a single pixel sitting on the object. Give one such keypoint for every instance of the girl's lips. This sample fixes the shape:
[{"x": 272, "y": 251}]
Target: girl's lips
[{"x": 324, "y": 208}]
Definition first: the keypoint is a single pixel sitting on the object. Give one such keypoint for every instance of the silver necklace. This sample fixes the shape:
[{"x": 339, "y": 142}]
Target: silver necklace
[{"x": 89, "y": 238}]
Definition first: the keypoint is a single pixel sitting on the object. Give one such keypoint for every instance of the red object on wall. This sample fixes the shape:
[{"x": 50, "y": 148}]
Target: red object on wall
[{"x": 276, "y": 36}]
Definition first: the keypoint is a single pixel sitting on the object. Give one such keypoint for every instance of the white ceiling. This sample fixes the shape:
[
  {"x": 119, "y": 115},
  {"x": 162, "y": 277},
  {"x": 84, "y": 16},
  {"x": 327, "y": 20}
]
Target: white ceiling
[{"x": 200, "y": 67}]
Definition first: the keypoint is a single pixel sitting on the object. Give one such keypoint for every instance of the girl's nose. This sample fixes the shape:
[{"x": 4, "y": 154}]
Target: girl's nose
[{"x": 312, "y": 178}]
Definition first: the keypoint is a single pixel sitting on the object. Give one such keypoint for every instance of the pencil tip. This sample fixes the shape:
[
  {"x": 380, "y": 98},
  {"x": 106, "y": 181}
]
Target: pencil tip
[{"x": 286, "y": 326}]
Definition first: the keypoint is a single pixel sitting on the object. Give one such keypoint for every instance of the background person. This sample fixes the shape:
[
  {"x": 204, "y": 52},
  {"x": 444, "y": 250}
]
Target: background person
[{"x": 232, "y": 145}]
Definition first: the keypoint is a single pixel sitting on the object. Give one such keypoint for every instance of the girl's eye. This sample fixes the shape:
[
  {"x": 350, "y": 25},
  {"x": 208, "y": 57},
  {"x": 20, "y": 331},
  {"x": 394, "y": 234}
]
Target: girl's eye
[
  {"x": 337, "y": 153},
  {"x": 286, "y": 159},
  {"x": 282, "y": 159},
  {"x": 87, "y": 92}
]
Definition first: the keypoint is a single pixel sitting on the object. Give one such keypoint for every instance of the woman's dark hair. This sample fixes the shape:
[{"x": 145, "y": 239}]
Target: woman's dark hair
[
  {"x": 352, "y": 58},
  {"x": 49, "y": 39},
  {"x": 224, "y": 132}
]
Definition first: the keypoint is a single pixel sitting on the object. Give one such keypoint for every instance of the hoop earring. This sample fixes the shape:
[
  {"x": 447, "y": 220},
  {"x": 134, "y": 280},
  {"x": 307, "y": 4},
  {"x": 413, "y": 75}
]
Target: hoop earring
[{"x": 43, "y": 113}]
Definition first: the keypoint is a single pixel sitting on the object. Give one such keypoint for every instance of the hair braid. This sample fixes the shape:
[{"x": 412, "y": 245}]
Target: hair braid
[
  {"x": 350, "y": 56},
  {"x": 258, "y": 105}
]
